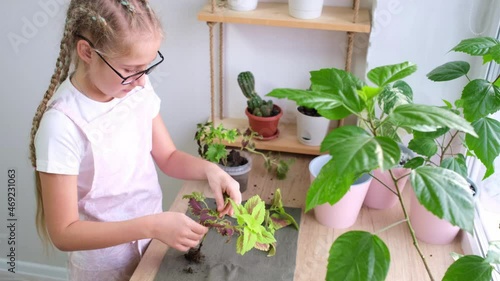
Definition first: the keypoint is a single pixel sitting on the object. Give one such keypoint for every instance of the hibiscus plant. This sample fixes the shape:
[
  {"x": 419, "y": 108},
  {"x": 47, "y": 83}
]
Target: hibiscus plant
[{"x": 440, "y": 187}]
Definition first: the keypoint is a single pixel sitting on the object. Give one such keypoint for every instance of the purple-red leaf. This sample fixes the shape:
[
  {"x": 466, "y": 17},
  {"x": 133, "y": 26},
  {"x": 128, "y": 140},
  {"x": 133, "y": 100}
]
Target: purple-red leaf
[{"x": 195, "y": 206}]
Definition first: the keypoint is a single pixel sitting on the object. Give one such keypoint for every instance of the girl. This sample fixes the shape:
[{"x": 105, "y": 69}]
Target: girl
[{"x": 96, "y": 138}]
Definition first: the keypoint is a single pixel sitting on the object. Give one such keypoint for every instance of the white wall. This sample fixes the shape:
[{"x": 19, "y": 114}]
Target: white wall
[{"x": 420, "y": 31}]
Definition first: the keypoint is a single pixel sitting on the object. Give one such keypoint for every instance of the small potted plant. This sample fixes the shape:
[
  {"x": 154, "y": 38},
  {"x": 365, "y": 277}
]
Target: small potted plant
[
  {"x": 357, "y": 150},
  {"x": 263, "y": 115},
  {"x": 210, "y": 140}
]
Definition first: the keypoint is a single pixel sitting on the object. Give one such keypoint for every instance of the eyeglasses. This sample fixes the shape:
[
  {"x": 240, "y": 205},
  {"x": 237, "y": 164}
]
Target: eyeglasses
[{"x": 128, "y": 79}]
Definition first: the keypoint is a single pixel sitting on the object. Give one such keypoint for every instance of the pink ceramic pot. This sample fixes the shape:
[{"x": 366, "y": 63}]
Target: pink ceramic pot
[
  {"x": 344, "y": 213},
  {"x": 378, "y": 196},
  {"x": 429, "y": 228}
]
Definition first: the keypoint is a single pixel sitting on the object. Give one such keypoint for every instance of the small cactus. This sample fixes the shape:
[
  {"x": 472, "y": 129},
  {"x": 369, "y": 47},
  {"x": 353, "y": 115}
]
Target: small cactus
[{"x": 256, "y": 105}]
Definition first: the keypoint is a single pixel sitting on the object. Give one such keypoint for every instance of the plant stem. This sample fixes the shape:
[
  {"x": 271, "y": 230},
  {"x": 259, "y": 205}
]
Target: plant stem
[
  {"x": 412, "y": 232},
  {"x": 443, "y": 150},
  {"x": 382, "y": 183},
  {"x": 390, "y": 226}
]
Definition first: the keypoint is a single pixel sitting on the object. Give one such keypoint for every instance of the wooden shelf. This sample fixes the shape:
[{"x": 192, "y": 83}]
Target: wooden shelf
[
  {"x": 276, "y": 14},
  {"x": 285, "y": 142}
]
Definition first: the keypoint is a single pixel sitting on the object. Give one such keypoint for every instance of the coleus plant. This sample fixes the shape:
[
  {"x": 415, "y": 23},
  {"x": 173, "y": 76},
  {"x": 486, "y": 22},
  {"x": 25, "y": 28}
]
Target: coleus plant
[
  {"x": 335, "y": 94},
  {"x": 255, "y": 224}
]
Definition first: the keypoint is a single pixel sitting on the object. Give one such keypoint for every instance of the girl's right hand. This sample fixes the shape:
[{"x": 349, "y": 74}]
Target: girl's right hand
[{"x": 177, "y": 230}]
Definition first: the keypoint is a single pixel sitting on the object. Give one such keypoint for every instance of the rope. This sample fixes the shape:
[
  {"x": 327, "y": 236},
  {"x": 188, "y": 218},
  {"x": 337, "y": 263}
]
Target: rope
[
  {"x": 348, "y": 62},
  {"x": 221, "y": 78},
  {"x": 356, "y": 10},
  {"x": 212, "y": 82},
  {"x": 213, "y": 6}
]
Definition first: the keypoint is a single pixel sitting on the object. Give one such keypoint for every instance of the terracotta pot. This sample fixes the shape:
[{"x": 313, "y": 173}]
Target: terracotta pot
[
  {"x": 267, "y": 127},
  {"x": 344, "y": 213}
]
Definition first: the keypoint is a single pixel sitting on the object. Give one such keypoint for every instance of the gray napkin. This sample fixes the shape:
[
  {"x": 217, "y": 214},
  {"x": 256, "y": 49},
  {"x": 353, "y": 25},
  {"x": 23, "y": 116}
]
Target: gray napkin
[{"x": 221, "y": 261}]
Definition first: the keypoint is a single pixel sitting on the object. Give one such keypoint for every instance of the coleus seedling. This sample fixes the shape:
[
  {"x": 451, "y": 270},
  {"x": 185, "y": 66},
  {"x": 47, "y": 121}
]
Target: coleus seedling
[{"x": 255, "y": 224}]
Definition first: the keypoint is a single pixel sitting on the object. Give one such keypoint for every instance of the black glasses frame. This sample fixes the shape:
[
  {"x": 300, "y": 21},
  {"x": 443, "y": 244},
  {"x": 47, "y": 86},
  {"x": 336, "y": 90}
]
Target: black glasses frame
[{"x": 135, "y": 76}]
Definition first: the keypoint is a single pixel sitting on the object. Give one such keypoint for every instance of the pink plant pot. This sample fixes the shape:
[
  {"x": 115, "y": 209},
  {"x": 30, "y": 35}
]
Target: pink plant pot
[
  {"x": 428, "y": 227},
  {"x": 378, "y": 196},
  {"x": 344, "y": 213}
]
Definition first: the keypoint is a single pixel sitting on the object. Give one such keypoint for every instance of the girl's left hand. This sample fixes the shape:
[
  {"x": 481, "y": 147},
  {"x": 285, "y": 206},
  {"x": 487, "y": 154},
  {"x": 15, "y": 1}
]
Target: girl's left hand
[{"x": 221, "y": 182}]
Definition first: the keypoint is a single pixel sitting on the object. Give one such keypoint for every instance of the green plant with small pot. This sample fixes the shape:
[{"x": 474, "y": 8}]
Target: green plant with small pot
[
  {"x": 210, "y": 140},
  {"x": 263, "y": 115},
  {"x": 356, "y": 150}
]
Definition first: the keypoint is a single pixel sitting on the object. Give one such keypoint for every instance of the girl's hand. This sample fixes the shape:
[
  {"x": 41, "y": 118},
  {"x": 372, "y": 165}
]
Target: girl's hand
[
  {"x": 221, "y": 182},
  {"x": 177, "y": 230}
]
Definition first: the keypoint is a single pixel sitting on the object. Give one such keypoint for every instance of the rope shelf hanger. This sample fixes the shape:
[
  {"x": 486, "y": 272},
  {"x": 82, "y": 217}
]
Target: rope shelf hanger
[{"x": 211, "y": 25}]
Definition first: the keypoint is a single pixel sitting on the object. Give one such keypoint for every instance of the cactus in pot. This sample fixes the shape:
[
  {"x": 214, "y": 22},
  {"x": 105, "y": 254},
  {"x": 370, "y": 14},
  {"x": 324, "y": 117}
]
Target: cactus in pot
[{"x": 256, "y": 105}]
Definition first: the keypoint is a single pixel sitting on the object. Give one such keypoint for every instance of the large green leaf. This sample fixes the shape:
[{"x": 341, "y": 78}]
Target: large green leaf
[
  {"x": 340, "y": 83},
  {"x": 393, "y": 95},
  {"x": 358, "y": 255},
  {"x": 487, "y": 146},
  {"x": 495, "y": 53},
  {"x": 386, "y": 74},
  {"x": 449, "y": 71},
  {"x": 311, "y": 99},
  {"x": 469, "y": 268},
  {"x": 329, "y": 186},
  {"x": 481, "y": 98},
  {"x": 476, "y": 46},
  {"x": 358, "y": 151},
  {"x": 427, "y": 118},
  {"x": 433, "y": 135},
  {"x": 444, "y": 193},
  {"x": 456, "y": 163},
  {"x": 423, "y": 146}
]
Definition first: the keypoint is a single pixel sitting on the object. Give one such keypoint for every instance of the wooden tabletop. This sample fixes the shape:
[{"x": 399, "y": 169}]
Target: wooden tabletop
[{"x": 314, "y": 239}]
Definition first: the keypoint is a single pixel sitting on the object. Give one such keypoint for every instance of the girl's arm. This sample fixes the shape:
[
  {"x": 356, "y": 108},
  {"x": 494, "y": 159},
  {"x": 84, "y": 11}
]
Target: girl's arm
[
  {"x": 182, "y": 165},
  {"x": 68, "y": 233}
]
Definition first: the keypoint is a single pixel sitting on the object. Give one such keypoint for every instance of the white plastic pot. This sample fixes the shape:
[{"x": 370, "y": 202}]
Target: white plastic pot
[
  {"x": 311, "y": 130},
  {"x": 305, "y": 9},
  {"x": 243, "y": 5}
]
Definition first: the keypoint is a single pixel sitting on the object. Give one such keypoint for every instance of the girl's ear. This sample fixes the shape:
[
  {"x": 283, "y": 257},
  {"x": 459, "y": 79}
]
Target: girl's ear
[{"x": 84, "y": 51}]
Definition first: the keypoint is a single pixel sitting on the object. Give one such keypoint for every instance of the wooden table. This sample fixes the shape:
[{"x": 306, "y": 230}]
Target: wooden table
[{"x": 314, "y": 239}]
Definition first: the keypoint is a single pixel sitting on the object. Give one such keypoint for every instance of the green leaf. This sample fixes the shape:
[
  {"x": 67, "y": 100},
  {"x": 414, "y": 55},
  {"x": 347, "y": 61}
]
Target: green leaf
[
  {"x": 448, "y": 104},
  {"x": 368, "y": 93},
  {"x": 258, "y": 213},
  {"x": 358, "y": 255},
  {"x": 251, "y": 203},
  {"x": 216, "y": 152},
  {"x": 387, "y": 129},
  {"x": 476, "y": 46},
  {"x": 238, "y": 208},
  {"x": 415, "y": 162},
  {"x": 341, "y": 84},
  {"x": 329, "y": 186},
  {"x": 481, "y": 98},
  {"x": 444, "y": 193},
  {"x": 384, "y": 75},
  {"x": 494, "y": 53},
  {"x": 449, "y": 71},
  {"x": 428, "y": 118},
  {"x": 423, "y": 146},
  {"x": 487, "y": 146},
  {"x": 493, "y": 255},
  {"x": 248, "y": 241},
  {"x": 265, "y": 237},
  {"x": 360, "y": 152},
  {"x": 433, "y": 135},
  {"x": 456, "y": 163},
  {"x": 312, "y": 99},
  {"x": 393, "y": 95},
  {"x": 277, "y": 202},
  {"x": 281, "y": 220},
  {"x": 354, "y": 152},
  {"x": 469, "y": 268}
]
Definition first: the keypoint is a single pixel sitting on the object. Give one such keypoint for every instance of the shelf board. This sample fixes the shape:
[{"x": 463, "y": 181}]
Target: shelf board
[
  {"x": 276, "y": 14},
  {"x": 285, "y": 142}
]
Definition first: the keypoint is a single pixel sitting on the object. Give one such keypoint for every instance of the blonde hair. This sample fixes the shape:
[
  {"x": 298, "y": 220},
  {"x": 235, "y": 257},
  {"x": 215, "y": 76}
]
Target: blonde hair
[{"x": 109, "y": 24}]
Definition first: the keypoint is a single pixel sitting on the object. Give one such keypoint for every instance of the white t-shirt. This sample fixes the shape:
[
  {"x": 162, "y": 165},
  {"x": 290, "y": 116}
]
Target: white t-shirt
[{"x": 61, "y": 147}]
